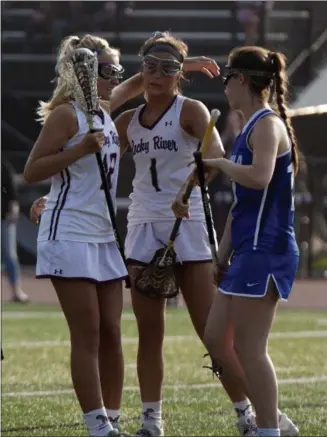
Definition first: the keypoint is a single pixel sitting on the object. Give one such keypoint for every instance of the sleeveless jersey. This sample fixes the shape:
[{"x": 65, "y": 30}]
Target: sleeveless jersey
[
  {"x": 263, "y": 219},
  {"x": 161, "y": 155},
  {"x": 76, "y": 209}
]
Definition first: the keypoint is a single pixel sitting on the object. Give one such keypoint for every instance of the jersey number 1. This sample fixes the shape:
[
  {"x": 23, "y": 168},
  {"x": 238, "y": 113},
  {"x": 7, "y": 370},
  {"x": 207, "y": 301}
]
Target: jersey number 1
[
  {"x": 154, "y": 175},
  {"x": 109, "y": 169}
]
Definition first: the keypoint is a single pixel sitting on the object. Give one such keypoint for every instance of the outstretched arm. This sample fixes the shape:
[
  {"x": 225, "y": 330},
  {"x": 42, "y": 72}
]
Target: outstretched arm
[
  {"x": 258, "y": 174},
  {"x": 127, "y": 90},
  {"x": 133, "y": 87}
]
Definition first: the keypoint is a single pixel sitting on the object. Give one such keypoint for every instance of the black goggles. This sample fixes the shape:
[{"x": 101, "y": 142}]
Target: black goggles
[
  {"x": 110, "y": 71},
  {"x": 234, "y": 72},
  {"x": 169, "y": 67}
]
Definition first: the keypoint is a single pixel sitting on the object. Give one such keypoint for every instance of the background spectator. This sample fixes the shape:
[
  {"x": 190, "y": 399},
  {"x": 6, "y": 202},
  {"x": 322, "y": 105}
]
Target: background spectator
[{"x": 9, "y": 218}]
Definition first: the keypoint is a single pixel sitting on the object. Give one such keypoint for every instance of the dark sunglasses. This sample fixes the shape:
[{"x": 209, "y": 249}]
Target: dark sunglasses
[
  {"x": 235, "y": 72},
  {"x": 110, "y": 71},
  {"x": 229, "y": 73},
  {"x": 227, "y": 77}
]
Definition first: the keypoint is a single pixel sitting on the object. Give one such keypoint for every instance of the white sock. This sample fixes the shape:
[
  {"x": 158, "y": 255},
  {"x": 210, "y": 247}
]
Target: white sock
[
  {"x": 279, "y": 413},
  {"x": 151, "y": 411},
  {"x": 243, "y": 407},
  {"x": 268, "y": 432},
  {"x": 97, "y": 422},
  {"x": 113, "y": 415}
]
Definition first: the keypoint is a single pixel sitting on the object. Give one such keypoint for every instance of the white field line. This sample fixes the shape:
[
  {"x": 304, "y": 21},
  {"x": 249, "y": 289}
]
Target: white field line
[
  {"x": 125, "y": 316},
  {"x": 290, "y": 369},
  {"x": 46, "y": 315},
  {"x": 168, "y": 338},
  {"x": 7, "y": 315},
  {"x": 298, "y": 334},
  {"x": 54, "y": 343},
  {"x": 288, "y": 381}
]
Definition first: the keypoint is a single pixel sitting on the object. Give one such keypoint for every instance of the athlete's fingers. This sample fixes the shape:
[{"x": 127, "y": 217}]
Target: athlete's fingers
[
  {"x": 180, "y": 209},
  {"x": 35, "y": 214},
  {"x": 209, "y": 66},
  {"x": 213, "y": 67}
]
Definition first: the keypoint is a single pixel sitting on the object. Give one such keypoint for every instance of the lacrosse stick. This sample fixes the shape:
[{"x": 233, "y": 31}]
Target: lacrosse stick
[
  {"x": 215, "y": 368},
  {"x": 207, "y": 209},
  {"x": 84, "y": 73},
  {"x": 158, "y": 278}
]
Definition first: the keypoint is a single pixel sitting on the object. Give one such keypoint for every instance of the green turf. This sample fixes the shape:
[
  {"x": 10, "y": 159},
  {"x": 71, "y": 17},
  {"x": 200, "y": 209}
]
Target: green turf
[{"x": 33, "y": 366}]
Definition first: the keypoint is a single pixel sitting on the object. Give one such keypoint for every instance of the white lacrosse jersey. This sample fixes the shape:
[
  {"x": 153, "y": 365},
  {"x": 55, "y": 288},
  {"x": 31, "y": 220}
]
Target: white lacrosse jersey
[
  {"x": 161, "y": 155},
  {"x": 76, "y": 209}
]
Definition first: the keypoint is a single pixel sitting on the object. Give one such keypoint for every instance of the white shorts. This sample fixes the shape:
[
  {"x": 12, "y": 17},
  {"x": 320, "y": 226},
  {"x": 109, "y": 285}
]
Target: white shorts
[
  {"x": 97, "y": 262},
  {"x": 191, "y": 244}
]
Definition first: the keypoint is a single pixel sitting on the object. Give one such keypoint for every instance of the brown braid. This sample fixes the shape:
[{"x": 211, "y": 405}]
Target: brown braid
[{"x": 281, "y": 81}]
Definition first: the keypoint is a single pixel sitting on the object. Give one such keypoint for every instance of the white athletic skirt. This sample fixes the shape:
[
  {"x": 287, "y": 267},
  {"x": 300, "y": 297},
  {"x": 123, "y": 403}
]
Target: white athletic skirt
[
  {"x": 191, "y": 244},
  {"x": 97, "y": 262}
]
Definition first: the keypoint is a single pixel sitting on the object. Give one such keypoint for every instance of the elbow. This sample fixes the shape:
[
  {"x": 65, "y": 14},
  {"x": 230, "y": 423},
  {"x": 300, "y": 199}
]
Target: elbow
[
  {"x": 28, "y": 179},
  {"x": 260, "y": 183},
  {"x": 30, "y": 176}
]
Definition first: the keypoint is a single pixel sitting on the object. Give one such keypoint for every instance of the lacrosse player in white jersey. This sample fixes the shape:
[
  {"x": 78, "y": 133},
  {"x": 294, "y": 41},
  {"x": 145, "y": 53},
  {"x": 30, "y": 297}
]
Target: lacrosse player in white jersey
[
  {"x": 162, "y": 135},
  {"x": 76, "y": 247}
]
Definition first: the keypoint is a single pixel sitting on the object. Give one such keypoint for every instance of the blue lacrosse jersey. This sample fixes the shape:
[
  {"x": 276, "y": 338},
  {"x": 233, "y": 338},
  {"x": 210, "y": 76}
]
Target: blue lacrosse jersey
[{"x": 263, "y": 219}]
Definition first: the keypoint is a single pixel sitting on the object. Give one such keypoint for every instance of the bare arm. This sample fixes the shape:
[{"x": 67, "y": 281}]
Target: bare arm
[
  {"x": 133, "y": 87},
  {"x": 195, "y": 118},
  {"x": 127, "y": 90},
  {"x": 121, "y": 123},
  {"x": 47, "y": 157},
  {"x": 203, "y": 64},
  {"x": 265, "y": 141}
]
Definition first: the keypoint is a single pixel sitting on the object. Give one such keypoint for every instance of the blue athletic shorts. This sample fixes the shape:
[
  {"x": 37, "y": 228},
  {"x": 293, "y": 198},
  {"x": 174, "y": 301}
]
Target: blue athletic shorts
[{"x": 250, "y": 272}]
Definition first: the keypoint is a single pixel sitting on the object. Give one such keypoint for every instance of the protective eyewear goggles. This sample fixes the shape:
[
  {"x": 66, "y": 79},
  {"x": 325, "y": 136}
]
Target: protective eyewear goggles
[
  {"x": 169, "y": 67},
  {"x": 110, "y": 71}
]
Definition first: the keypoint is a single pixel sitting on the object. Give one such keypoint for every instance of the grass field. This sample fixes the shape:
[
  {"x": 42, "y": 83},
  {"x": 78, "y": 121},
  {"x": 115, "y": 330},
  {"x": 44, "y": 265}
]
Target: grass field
[{"x": 37, "y": 399}]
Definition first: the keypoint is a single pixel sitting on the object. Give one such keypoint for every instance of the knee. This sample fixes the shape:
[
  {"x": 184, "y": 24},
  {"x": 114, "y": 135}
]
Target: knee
[
  {"x": 151, "y": 330},
  {"x": 110, "y": 333},
  {"x": 217, "y": 346},
  {"x": 86, "y": 338},
  {"x": 248, "y": 351}
]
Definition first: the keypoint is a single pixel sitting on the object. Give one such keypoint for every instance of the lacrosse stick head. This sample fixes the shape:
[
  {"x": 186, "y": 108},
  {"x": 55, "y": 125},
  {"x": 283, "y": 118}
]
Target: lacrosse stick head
[
  {"x": 158, "y": 278},
  {"x": 81, "y": 70},
  {"x": 215, "y": 368}
]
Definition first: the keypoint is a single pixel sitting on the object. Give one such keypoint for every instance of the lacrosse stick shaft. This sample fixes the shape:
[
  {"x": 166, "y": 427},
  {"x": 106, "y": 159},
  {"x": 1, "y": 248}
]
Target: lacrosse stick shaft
[
  {"x": 85, "y": 71},
  {"x": 111, "y": 210},
  {"x": 206, "y": 205},
  {"x": 203, "y": 150}
]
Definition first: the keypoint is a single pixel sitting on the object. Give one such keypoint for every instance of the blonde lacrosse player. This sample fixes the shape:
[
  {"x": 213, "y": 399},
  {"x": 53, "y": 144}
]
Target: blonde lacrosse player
[{"x": 76, "y": 247}]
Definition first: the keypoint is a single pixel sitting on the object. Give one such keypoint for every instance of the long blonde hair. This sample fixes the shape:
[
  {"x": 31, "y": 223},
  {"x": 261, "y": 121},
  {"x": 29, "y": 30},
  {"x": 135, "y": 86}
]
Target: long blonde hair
[{"x": 63, "y": 92}]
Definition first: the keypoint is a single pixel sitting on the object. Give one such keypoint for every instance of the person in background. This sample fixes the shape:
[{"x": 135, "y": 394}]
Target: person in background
[
  {"x": 249, "y": 15},
  {"x": 9, "y": 218}
]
